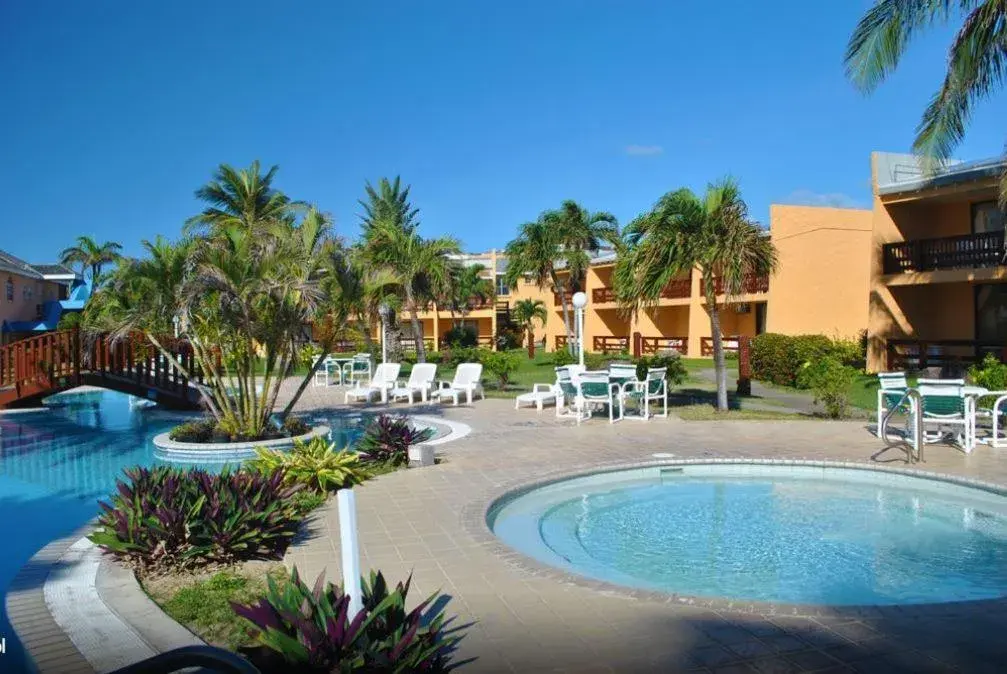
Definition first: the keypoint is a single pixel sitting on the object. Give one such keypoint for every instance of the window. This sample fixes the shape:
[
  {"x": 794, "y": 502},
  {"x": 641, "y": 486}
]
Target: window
[
  {"x": 991, "y": 313},
  {"x": 10, "y": 289},
  {"x": 502, "y": 288},
  {"x": 987, "y": 216},
  {"x": 26, "y": 292}
]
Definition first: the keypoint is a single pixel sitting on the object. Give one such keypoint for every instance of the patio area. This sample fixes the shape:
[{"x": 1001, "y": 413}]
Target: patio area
[{"x": 529, "y": 618}]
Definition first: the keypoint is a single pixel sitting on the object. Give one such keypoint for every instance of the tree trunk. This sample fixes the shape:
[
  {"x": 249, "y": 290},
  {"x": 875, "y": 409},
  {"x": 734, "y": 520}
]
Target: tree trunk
[
  {"x": 326, "y": 347},
  {"x": 718, "y": 343},
  {"x": 414, "y": 316},
  {"x": 531, "y": 344},
  {"x": 561, "y": 291}
]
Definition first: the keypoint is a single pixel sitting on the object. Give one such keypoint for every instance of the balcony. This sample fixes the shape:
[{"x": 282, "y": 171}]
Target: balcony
[
  {"x": 608, "y": 344},
  {"x": 730, "y": 344},
  {"x": 603, "y": 295},
  {"x": 749, "y": 286},
  {"x": 950, "y": 356},
  {"x": 652, "y": 345},
  {"x": 968, "y": 251}
]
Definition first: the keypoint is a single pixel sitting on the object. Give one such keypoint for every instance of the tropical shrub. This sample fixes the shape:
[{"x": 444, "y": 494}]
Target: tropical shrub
[
  {"x": 293, "y": 426},
  {"x": 310, "y": 629},
  {"x": 599, "y": 361},
  {"x": 780, "y": 358},
  {"x": 561, "y": 357},
  {"x": 830, "y": 380},
  {"x": 166, "y": 517},
  {"x": 387, "y": 440},
  {"x": 500, "y": 364},
  {"x": 673, "y": 362},
  {"x": 201, "y": 430},
  {"x": 211, "y": 430},
  {"x": 464, "y": 336},
  {"x": 316, "y": 464},
  {"x": 69, "y": 320},
  {"x": 308, "y": 354},
  {"x": 454, "y": 356},
  {"x": 990, "y": 374},
  {"x": 508, "y": 338}
]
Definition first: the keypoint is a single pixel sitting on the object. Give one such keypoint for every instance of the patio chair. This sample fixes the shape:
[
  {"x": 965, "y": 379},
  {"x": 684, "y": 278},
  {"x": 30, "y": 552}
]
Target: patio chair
[
  {"x": 567, "y": 401},
  {"x": 944, "y": 405},
  {"x": 539, "y": 396},
  {"x": 653, "y": 388},
  {"x": 420, "y": 383},
  {"x": 467, "y": 380},
  {"x": 323, "y": 373},
  {"x": 381, "y": 383},
  {"x": 622, "y": 373},
  {"x": 358, "y": 369},
  {"x": 893, "y": 386},
  {"x": 597, "y": 388}
]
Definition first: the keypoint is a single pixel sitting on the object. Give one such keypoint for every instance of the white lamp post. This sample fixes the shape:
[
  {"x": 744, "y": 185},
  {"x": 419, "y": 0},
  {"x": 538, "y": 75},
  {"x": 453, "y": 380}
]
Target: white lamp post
[
  {"x": 350, "y": 548},
  {"x": 384, "y": 310},
  {"x": 579, "y": 302}
]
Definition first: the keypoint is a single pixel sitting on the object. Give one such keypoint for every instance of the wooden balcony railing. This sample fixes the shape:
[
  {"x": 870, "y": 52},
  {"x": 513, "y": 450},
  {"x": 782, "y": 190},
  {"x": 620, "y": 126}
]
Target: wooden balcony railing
[
  {"x": 955, "y": 354},
  {"x": 706, "y": 345},
  {"x": 750, "y": 285},
  {"x": 968, "y": 251},
  {"x": 610, "y": 344},
  {"x": 651, "y": 345},
  {"x": 603, "y": 295},
  {"x": 677, "y": 289}
]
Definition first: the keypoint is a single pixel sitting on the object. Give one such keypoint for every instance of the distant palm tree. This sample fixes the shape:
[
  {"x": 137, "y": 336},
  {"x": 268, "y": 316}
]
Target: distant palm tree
[
  {"x": 241, "y": 197},
  {"x": 684, "y": 231},
  {"x": 388, "y": 203},
  {"x": 977, "y": 63},
  {"x": 526, "y": 312},
  {"x": 468, "y": 283},
  {"x": 91, "y": 256}
]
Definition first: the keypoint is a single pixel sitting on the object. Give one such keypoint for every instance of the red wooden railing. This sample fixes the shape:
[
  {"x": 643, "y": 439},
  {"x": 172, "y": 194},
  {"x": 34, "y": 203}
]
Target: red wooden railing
[
  {"x": 59, "y": 360},
  {"x": 678, "y": 289},
  {"x": 651, "y": 345},
  {"x": 610, "y": 344},
  {"x": 706, "y": 345},
  {"x": 967, "y": 251},
  {"x": 749, "y": 286},
  {"x": 917, "y": 354}
]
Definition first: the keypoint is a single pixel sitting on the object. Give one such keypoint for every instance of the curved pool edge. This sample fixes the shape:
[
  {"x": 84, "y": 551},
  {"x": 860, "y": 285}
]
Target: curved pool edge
[
  {"x": 476, "y": 518},
  {"x": 170, "y": 450}
]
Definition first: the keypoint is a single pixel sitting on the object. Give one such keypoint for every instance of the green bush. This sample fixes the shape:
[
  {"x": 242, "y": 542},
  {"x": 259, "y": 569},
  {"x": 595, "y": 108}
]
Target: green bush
[
  {"x": 316, "y": 464},
  {"x": 201, "y": 430},
  {"x": 508, "y": 338},
  {"x": 780, "y": 358},
  {"x": 561, "y": 357},
  {"x": 501, "y": 364},
  {"x": 991, "y": 374},
  {"x": 673, "y": 362},
  {"x": 69, "y": 320},
  {"x": 464, "y": 336},
  {"x": 308, "y": 353},
  {"x": 454, "y": 356},
  {"x": 830, "y": 380},
  {"x": 294, "y": 426},
  {"x": 599, "y": 361},
  {"x": 161, "y": 518},
  {"x": 387, "y": 440}
]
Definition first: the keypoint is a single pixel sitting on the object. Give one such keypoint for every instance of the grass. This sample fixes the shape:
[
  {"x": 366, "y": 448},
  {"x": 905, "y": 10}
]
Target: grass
[
  {"x": 203, "y": 604},
  {"x": 709, "y": 413}
]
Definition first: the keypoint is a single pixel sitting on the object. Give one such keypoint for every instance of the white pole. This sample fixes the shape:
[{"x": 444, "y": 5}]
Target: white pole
[
  {"x": 580, "y": 334},
  {"x": 350, "y": 547},
  {"x": 384, "y": 340}
]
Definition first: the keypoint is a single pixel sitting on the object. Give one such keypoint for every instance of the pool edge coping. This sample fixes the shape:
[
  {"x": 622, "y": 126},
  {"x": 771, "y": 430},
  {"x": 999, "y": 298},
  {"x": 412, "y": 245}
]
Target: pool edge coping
[{"x": 475, "y": 522}]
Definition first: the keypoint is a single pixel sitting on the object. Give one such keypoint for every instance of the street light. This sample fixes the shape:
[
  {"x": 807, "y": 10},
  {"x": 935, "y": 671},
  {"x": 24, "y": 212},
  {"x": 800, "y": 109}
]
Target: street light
[
  {"x": 579, "y": 302},
  {"x": 384, "y": 310}
]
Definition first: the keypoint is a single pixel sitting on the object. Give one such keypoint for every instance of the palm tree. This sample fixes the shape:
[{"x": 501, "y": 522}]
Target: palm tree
[
  {"x": 241, "y": 197},
  {"x": 468, "y": 283},
  {"x": 684, "y": 231},
  {"x": 91, "y": 256},
  {"x": 560, "y": 240},
  {"x": 977, "y": 63},
  {"x": 526, "y": 312},
  {"x": 388, "y": 203}
]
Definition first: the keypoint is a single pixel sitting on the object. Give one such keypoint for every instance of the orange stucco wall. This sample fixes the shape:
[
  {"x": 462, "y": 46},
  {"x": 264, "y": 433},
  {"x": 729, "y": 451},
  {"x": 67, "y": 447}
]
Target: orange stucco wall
[
  {"x": 822, "y": 281},
  {"x": 22, "y": 307}
]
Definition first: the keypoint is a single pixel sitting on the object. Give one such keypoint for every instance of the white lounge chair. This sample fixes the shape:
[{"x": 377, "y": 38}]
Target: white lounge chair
[
  {"x": 381, "y": 383},
  {"x": 420, "y": 383},
  {"x": 653, "y": 389},
  {"x": 539, "y": 396},
  {"x": 467, "y": 380},
  {"x": 893, "y": 387}
]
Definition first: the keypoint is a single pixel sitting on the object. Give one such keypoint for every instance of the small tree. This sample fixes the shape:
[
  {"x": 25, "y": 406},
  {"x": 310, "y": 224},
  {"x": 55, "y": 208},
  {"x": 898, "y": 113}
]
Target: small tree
[{"x": 526, "y": 312}]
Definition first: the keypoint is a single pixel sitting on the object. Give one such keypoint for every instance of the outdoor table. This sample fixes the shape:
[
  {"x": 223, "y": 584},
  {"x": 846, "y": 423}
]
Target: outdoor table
[{"x": 339, "y": 363}]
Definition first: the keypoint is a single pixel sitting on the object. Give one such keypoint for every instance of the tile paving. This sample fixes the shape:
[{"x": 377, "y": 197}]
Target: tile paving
[{"x": 527, "y": 618}]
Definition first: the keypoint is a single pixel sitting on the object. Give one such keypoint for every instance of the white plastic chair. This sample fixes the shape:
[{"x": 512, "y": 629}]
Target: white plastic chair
[
  {"x": 381, "y": 383},
  {"x": 653, "y": 389},
  {"x": 467, "y": 380},
  {"x": 893, "y": 386},
  {"x": 539, "y": 396},
  {"x": 358, "y": 369},
  {"x": 421, "y": 382},
  {"x": 944, "y": 404},
  {"x": 596, "y": 388}
]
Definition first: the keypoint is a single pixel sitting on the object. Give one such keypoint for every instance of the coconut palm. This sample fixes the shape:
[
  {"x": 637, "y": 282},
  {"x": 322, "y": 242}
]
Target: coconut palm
[
  {"x": 525, "y": 313},
  {"x": 976, "y": 65},
  {"x": 468, "y": 284},
  {"x": 556, "y": 250},
  {"x": 684, "y": 231},
  {"x": 91, "y": 256},
  {"x": 241, "y": 197},
  {"x": 388, "y": 203}
]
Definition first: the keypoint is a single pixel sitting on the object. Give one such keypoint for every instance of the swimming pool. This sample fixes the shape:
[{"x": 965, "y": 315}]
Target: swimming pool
[
  {"x": 773, "y": 533},
  {"x": 55, "y": 465}
]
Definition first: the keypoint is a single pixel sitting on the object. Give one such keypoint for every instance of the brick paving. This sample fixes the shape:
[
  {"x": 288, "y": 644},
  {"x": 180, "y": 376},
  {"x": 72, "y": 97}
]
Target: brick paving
[{"x": 526, "y": 618}]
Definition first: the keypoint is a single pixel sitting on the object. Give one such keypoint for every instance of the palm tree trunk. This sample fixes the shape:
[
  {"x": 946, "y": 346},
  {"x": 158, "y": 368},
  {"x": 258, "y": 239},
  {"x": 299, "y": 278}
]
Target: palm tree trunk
[
  {"x": 561, "y": 291},
  {"x": 326, "y": 348},
  {"x": 531, "y": 343},
  {"x": 414, "y": 317},
  {"x": 718, "y": 343}
]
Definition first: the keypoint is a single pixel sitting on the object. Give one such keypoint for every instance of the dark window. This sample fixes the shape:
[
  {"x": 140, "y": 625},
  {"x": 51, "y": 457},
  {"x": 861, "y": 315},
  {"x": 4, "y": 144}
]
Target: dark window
[
  {"x": 991, "y": 313},
  {"x": 987, "y": 216},
  {"x": 10, "y": 289},
  {"x": 502, "y": 288}
]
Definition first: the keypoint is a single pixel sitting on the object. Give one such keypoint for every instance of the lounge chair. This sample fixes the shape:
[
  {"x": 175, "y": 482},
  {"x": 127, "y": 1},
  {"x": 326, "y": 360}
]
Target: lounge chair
[
  {"x": 539, "y": 396},
  {"x": 893, "y": 387},
  {"x": 653, "y": 388},
  {"x": 381, "y": 383},
  {"x": 467, "y": 380},
  {"x": 420, "y": 383}
]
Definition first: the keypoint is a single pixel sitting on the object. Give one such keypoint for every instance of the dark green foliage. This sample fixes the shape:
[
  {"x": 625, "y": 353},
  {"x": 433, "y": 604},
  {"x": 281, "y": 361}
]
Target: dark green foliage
[
  {"x": 831, "y": 381},
  {"x": 464, "y": 336},
  {"x": 208, "y": 431},
  {"x": 500, "y": 364},
  {"x": 779, "y": 358},
  {"x": 673, "y": 362},
  {"x": 387, "y": 440},
  {"x": 293, "y": 426},
  {"x": 454, "y": 356},
  {"x": 202, "y": 430},
  {"x": 561, "y": 357},
  {"x": 170, "y": 517},
  {"x": 69, "y": 320},
  {"x": 310, "y": 629},
  {"x": 508, "y": 338}
]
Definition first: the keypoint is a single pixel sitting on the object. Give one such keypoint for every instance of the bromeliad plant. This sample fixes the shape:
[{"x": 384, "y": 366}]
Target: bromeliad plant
[
  {"x": 162, "y": 517},
  {"x": 316, "y": 464},
  {"x": 309, "y": 629},
  {"x": 387, "y": 440}
]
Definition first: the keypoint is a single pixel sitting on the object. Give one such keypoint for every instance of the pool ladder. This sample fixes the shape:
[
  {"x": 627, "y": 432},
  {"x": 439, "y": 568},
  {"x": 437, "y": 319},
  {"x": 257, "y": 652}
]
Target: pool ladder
[{"x": 913, "y": 445}]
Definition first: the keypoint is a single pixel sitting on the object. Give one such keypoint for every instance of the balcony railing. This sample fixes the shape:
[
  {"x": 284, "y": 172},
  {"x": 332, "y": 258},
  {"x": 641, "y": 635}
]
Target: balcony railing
[
  {"x": 651, "y": 345},
  {"x": 749, "y": 286},
  {"x": 706, "y": 345},
  {"x": 603, "y": 295},
  {"x": 946, "y": 354},
  {"x": 610, "y": 344},
  {"x": 677, "y": 289},
  {"x": 968, "y": 251}
]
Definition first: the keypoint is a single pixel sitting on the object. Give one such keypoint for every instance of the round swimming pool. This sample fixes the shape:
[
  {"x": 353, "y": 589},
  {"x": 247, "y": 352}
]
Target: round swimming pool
[{"x": 773, "y": 533}]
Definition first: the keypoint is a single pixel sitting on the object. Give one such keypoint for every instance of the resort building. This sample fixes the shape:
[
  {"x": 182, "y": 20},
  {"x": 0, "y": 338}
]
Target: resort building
[
  {"x": 938, "y": 263},
  {"x": 35, "y": 296}
]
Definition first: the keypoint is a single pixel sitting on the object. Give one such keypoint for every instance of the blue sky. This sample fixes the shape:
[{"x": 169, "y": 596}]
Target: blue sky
[{"x": 115, "y": 112}]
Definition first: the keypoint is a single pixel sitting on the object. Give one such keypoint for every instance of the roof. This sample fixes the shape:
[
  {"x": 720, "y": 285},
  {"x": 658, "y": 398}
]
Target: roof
[
  {"x": 900, "y": 173},
  {"x": 59, "y": 270},
  {"x": 15, "y": 265}
]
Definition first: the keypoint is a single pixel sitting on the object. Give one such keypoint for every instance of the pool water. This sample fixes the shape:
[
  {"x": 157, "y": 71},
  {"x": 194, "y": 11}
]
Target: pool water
[
  {"x": 56, "y": 464},
  {"x": 805, "y": 535}
]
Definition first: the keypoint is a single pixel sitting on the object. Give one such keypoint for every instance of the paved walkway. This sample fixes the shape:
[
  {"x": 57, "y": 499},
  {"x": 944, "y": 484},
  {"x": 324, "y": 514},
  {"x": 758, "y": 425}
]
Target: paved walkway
[{"x": 430, "y": 522}]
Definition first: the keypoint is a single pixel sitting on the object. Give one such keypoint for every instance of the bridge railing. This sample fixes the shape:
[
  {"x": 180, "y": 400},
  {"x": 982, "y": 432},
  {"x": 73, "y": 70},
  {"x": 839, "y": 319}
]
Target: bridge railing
[{"x": 41, "y": 360}]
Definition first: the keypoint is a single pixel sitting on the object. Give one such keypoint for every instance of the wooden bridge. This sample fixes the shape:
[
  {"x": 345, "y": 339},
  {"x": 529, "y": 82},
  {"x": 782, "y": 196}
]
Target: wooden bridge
[{"x": 36, "y": 367}]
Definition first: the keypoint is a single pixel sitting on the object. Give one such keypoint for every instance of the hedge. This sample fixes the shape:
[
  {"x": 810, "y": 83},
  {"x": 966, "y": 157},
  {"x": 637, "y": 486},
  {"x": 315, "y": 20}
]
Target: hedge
[{"x": 779, "y": 358}]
